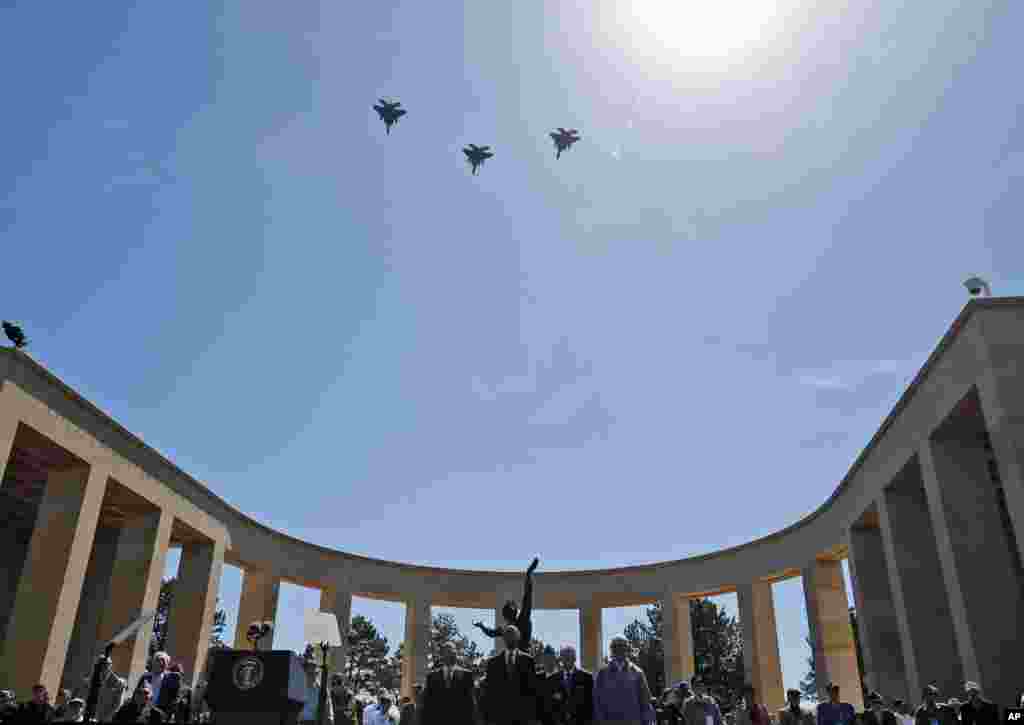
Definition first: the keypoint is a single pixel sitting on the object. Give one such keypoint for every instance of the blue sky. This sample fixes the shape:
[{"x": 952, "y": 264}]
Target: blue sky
[{"x": 674, "y": 339}]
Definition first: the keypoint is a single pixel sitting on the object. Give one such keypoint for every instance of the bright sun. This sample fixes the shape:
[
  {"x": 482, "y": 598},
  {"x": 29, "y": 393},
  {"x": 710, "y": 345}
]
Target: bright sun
[{"x": 704, "y": 28}]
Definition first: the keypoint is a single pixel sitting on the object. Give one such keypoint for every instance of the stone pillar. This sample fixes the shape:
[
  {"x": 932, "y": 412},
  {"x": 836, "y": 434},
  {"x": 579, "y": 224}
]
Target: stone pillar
[
  {"x": 135, "y": 588},
  {"x": 84, "y": 645},
  {"x": 1001, "y": 391},
  {"x": 8, "y": 429},
  {"x": 258, "y": 603},
  {"x": 338, "y": 602},
  {"x": 877, "y": 623},
  {"x": 828, "y": 618},
  {"x": 194, "y": 604},
  {"x": 984, "y": 584},
  {"x": 417, "y": 643},
  {"x": 19, "y": 520},
  {"x": 590, "y": 636},
  {"x": 761, "y": 643},
  {"x": 918, "y": 591},
  {"x": 677, "y": 636},
  {"x": 50, "y": 587},
  {"x": 16, "y": 533}
]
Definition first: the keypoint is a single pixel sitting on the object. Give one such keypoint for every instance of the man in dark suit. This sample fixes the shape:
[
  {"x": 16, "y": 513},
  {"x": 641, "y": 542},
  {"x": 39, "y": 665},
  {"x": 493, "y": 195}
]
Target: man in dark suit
[
  {"x": 578, "y": 686},
  {"x": 551, "y": 697},
  {"x": 977, "y": 710},
  {"x": 164, "y": 682},
  {"x": 448, "y": 695},
  {"x": 511, "y": 696}
]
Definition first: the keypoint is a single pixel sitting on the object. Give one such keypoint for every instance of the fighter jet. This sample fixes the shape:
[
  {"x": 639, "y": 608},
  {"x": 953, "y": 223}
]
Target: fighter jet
[
  {"x": 564, "y": 139},
  {"x": 389, "y": 112},
  {"x": 476, "y": 155}
]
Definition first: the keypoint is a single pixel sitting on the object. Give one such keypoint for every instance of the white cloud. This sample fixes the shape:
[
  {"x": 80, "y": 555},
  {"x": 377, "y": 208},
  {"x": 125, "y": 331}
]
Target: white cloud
[
  {"x": 828, "y": 383},
  {"x": 848, "y": 375}
]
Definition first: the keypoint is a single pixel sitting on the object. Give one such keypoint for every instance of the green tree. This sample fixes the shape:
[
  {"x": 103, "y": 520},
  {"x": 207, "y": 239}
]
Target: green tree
[
  {"x": 368, "y": 665},
  {"x": 220, "y": 624},
  {"x": 158, "y": 642},
  {"x": 809, "y": 684},
  {"x": 717, "y": 647},
  {"x": 444, "y": 630},
  {"x": 860, "y": 654}
]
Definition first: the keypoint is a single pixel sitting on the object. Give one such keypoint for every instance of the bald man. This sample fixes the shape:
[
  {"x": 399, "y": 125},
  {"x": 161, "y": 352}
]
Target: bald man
[{"x": 621, "y": 693}]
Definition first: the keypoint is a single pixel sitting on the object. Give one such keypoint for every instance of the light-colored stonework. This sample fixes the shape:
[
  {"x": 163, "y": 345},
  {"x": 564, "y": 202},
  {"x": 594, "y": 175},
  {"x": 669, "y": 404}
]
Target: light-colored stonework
[{"x": 932, "y": 529}]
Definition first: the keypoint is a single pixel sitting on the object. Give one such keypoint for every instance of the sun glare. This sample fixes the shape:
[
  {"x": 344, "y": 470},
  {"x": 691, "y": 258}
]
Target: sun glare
[{"x": 704, "y": 28}]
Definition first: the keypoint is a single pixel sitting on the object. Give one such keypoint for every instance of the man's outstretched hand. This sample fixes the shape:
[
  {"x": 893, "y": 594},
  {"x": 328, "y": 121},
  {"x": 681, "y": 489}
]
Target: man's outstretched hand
[{"x": 533, "y": 565}]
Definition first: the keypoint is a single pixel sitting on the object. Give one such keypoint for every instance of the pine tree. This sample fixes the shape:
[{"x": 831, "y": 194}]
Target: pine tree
[
  {"x": 158, "y": 642},
  {"x": 809, "y": 684},
  {"x": 717, "y": 647}
]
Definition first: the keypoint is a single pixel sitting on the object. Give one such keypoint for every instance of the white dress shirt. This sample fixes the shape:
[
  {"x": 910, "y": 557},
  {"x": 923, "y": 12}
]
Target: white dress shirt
[{"x": 156, "y": 682}]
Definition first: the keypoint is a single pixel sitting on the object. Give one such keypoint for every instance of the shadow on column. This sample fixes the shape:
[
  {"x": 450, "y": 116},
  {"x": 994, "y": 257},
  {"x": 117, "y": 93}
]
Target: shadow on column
[
  {"x": 918, "y": 588},
  {"x": 34, "y": 462},
  {"x": 877, "y": 624},
  {"x": 982, "y": 556}
]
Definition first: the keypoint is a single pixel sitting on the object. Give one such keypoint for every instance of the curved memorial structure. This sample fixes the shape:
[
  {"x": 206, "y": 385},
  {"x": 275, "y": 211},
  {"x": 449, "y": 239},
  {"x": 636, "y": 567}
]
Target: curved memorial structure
[{"x": 930, "y": 518}]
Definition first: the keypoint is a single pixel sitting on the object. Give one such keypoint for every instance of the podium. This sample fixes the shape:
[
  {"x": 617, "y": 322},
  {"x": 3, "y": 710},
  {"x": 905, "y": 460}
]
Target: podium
[{"x": 256, "y": 688}]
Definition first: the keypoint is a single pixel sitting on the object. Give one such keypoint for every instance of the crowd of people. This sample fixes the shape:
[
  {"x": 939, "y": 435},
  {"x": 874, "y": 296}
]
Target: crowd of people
[
  {"x": 159, "y": 696},
  {"x": 515, "y": 689}
]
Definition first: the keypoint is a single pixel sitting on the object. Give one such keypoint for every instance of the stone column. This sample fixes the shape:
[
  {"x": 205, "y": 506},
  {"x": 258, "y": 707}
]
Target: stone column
[
  {"x": 828, "y": 618},
  {"x": 258, "y": 603},
  {"x": 135, "y": 588},
  {"x": 761, "y": 643},
  {"x": 417, "y": 643},
  {"x": 677, "y": 636},
  {"x": 338, "y": 602},
  {"x": 194, "y": 604},
  {"x": 84, "y": 645},
  {"x": 984, "y": 584},
  {"x": 43, "y": 614},
  {"x": 1001, "y": 391},
  {"x": 918, "y": 591},
  {"x": 15, "y": 539},
  {"x": 590, "y": 636},
  {"x": 877, "y": 623},
  {"x": 8, "y": 428}
]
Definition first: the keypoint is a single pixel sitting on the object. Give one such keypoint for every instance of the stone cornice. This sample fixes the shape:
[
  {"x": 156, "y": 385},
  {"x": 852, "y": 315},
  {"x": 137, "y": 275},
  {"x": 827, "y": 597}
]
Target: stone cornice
[{"x": 135, "y": 449}]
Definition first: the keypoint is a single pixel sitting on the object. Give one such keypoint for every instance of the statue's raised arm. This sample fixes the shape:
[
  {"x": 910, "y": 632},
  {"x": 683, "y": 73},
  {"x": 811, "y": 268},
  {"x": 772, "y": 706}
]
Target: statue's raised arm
[
  {"x": 521, "y": 617},
  {"x": 524, "y": 620}
]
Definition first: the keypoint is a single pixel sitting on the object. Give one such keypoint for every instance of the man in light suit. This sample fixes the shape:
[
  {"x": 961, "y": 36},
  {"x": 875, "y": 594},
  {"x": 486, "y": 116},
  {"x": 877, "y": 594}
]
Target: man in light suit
[
  {"x": 448, "y": 695},
  {"x": 511, "y": 696}
]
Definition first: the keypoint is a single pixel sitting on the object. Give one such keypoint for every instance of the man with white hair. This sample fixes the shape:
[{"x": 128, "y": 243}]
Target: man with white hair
[
  {"x": 977, "y": 710},
  {"x": 621, "y": 693},
  {"x": 165, "y": 684}
]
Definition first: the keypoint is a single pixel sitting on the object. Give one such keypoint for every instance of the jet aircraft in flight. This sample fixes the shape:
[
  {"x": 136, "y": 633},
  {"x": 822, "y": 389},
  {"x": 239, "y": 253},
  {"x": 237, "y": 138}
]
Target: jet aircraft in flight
[
  {"x": 476, "y": 155},
  {"x": 389, "y": 112},
  {"x": 564, "y": 139}
]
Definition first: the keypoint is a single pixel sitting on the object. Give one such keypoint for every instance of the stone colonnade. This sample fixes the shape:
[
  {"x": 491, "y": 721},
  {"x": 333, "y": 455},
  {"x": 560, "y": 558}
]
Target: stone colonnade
[{"x": 930, "y": 519}]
